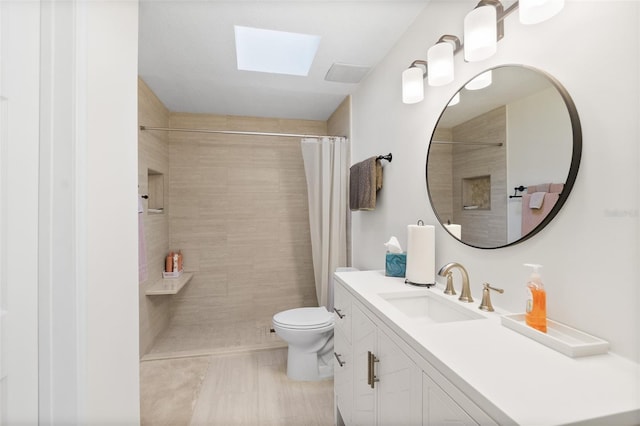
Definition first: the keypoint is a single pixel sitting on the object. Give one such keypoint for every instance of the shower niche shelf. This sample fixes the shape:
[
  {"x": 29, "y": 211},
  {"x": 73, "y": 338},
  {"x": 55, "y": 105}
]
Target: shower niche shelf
[
  {"x": 155, "y": 181},
  {"x": 169, "y": 285}
]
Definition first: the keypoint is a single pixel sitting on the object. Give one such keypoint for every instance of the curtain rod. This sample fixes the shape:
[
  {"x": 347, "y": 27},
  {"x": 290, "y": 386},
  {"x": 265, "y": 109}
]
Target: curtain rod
[
  {"x": 468, "y": 143},
  {"x": 234, "y": 132}
]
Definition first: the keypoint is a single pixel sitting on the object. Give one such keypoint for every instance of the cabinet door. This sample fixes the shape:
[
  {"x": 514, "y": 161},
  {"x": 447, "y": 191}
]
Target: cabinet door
[
  {"x": 364, "y": 340},
  {"x": 439, "y": 408},
  {"x": 342, "y": 308},
  {"x": 343, "y": 376},
  {"x": 399, "y": 387}
]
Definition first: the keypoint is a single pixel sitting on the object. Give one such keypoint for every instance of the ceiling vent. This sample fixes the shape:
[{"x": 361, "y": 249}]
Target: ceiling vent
[{"x": 346, "y": 73}]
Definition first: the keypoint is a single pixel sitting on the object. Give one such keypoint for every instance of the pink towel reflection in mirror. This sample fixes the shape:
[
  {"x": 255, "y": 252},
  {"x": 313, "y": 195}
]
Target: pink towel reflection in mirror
[{"x": 532, "y": 217}]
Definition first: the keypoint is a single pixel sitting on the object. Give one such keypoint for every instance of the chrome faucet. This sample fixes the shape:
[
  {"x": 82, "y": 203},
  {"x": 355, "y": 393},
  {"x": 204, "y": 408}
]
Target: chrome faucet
[{"x": 465, "y": 295}]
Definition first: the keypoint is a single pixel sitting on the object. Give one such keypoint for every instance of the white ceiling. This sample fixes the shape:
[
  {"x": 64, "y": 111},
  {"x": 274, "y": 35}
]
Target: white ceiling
[
  {"x": 510, "y": 84},
  {"x": 187, "y": 52}
]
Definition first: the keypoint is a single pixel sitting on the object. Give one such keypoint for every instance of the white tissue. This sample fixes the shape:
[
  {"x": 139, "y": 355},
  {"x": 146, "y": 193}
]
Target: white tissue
[{"x": 393, "y": 245}]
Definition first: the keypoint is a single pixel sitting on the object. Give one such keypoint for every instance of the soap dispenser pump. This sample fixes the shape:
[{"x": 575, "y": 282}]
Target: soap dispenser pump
[{"x": 536, "y": 312}]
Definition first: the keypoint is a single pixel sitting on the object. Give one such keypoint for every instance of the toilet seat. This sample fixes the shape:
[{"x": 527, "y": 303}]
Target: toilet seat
[{"x": 304, "y": 318}]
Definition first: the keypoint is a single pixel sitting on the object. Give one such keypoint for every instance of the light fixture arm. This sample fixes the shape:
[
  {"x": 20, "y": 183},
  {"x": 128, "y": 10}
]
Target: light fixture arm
[
  {"x": 420, "y": 62},
  {"x": 508, "y": 11},
  {"x": 457, "y": 45}
]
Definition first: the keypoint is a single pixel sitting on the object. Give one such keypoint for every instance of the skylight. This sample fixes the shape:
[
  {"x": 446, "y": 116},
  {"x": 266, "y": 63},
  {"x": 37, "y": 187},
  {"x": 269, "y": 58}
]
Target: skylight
[{"x": 276, "y": 52}]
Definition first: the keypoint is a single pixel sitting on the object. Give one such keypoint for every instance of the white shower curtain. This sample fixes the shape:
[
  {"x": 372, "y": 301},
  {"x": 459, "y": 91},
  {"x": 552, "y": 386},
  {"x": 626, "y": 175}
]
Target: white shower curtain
[{"x": 326, "y": 165}]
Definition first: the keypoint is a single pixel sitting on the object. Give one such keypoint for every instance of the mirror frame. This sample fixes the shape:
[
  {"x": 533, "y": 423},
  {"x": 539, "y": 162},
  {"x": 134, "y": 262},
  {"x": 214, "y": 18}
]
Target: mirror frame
[{"x": 576, "y": 155}]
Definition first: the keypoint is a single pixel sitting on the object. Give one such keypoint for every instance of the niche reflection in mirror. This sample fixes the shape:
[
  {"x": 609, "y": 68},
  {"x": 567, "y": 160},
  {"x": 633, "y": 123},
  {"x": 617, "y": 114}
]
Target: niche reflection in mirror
[{"x": 523, "y": 129}]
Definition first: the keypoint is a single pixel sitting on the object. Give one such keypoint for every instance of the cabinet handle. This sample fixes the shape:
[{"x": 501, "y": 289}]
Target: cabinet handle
[
  {"x": 340, "y": 362},
  {"x": 340, "y": 314},
  {"x": 369, "y": 368},
  {"x": 371, "y": 373}
]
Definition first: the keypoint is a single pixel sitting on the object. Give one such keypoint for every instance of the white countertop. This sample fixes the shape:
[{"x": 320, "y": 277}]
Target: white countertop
[{"x": 501, "y": 369}]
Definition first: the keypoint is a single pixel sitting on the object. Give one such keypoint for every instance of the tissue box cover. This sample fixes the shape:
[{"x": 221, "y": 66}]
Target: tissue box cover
[{"x": 396, "y": 264}]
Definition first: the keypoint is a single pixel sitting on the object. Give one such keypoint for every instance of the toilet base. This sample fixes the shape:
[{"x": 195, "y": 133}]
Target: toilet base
[{"x": 308, "y": 366}]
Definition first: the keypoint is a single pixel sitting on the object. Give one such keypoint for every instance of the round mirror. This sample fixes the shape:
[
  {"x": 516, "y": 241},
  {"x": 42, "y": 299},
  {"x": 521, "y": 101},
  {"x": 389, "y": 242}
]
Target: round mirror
[{"x": 503, "y": 156}]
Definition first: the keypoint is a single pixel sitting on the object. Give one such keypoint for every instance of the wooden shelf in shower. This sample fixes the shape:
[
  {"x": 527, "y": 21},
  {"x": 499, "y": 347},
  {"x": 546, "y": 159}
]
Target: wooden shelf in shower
[{"x": 169, "y": 285}]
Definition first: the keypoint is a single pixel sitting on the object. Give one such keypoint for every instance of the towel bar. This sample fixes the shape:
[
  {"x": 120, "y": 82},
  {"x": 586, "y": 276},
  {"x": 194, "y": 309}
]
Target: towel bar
[
  {"x": 387, "y": 157},
  {"x": 516, "y": 190}
]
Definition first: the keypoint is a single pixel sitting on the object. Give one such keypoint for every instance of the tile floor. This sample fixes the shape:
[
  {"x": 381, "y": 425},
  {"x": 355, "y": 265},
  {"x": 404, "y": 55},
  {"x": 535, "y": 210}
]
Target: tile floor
[{"x": 241, "y": 388}]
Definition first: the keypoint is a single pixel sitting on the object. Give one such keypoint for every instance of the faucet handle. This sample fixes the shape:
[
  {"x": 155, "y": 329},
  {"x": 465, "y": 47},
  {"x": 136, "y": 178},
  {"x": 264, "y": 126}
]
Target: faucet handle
[
  {"x": 449, "y": 289},
  {"x": 486, "y": 305}
]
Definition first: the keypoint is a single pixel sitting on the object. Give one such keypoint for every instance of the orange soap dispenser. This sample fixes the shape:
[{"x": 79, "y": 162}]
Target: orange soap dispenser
[{"x": 536, "y": 315}]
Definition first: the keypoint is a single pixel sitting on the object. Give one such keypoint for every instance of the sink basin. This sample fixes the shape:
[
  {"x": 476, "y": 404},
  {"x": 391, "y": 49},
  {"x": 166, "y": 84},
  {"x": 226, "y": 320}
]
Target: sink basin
[{"x": 424, "y": 306}]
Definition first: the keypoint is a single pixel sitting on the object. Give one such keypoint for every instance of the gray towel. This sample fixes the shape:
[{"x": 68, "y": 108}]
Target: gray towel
[{"x": 365, "y": 179}]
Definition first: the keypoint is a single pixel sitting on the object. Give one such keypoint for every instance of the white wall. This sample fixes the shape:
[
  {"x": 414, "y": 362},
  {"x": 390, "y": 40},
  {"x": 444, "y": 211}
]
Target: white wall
[
  {"x": 19, "y": 115},
  {"x": 536, "y": 153},
  {"x": 590, "y": 251},
  {"x": 111, "y": 330}
]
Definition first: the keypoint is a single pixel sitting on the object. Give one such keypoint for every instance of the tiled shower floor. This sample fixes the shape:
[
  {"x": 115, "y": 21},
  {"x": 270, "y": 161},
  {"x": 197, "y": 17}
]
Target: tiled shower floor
[{"x": 194, "y": 340}]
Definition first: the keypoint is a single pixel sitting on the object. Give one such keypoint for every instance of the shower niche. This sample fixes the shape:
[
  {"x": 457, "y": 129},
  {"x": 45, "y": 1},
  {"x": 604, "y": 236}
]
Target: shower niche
[
  {"x": 155, "y": 181},
  {"x": 476, "y": 193}
]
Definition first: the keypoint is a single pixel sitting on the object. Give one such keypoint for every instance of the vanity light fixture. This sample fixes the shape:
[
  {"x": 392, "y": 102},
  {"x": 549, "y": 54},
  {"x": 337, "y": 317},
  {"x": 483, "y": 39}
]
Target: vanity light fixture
[
  {"x": 481, "y": 33},
  {"x": 483, "y": 28},
  {"x": 535, "y": 11},
  {"x": 480, "y": 82},
  {"x": 413, "y": 82},
  {"x": 440, "y": 60}
]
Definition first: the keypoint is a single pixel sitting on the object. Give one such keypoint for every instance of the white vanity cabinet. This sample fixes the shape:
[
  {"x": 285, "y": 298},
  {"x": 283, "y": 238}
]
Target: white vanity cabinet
[
  {"x": 343, "y": 377},
  {"x": 438, "y": 408},
  {"x": 342, "y": 308},
  {"x": 380, "y": 380},
  {"x": 386, "y": 383},
  {"x": 343, "y": 366},
  {"x": 395, "y": 398}
]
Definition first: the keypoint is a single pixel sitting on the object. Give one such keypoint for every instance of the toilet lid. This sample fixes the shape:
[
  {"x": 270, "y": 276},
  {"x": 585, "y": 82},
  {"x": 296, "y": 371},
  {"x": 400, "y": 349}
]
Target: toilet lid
[{"x": 304, "y": 317}]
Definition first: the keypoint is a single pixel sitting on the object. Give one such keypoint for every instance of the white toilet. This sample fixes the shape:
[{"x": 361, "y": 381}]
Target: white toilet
[{"x": 309, "y": 334}]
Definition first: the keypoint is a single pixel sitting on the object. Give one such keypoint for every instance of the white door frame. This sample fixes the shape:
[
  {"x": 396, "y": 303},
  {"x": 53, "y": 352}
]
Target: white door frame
[
  {"x": 62, "y": 212},
  {"x": 42, "y": 213},
  {"x": 19, "y": 147},
  {"x": 68, "y": 212}
]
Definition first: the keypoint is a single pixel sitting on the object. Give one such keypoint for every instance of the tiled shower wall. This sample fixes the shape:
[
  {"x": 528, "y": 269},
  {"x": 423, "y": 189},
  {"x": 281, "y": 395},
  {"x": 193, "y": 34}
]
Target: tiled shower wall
[
  {"x": 238, "y": 210},
  {"x": 484, "y": 228},
  {"x": 153, "y": 153},
  {"x": 440, "y": 176},
  {"x": 479, "y": 227}
]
